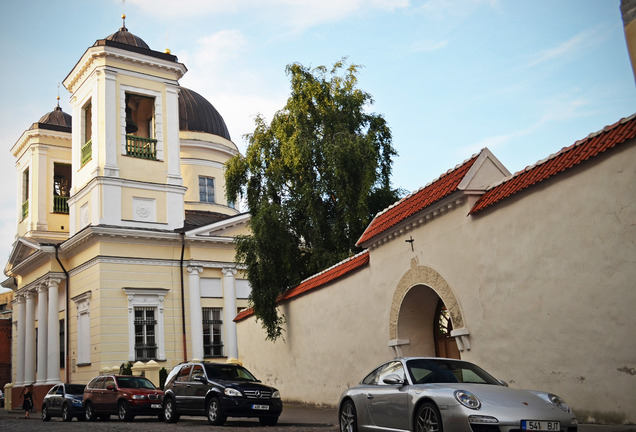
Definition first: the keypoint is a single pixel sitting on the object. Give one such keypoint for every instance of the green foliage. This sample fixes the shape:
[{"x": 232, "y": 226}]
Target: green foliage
[
  {"x": 163, "y": 375},
  {"x": 126, "y": 368},
  {"x": 313, "y": 178}
]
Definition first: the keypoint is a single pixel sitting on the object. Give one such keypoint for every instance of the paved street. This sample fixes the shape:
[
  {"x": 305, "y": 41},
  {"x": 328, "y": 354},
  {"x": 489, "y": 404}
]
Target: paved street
[{"x": 295, "y": 418}]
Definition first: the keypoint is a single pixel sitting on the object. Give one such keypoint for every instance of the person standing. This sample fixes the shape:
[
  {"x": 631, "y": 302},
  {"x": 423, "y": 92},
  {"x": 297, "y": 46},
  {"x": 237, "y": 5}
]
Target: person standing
[{"x": 27, "y": 403}]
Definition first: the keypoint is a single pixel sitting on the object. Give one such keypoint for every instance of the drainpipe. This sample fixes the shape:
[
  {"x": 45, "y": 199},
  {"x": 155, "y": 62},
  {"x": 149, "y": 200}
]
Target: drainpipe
[
  {"x": 67, "y": 366},
  {"x": 185, "y": 346}
]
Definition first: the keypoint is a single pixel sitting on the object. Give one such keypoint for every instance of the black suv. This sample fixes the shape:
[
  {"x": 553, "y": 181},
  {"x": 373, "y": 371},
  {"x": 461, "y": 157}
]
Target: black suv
[{"x": 219, "y": 391}]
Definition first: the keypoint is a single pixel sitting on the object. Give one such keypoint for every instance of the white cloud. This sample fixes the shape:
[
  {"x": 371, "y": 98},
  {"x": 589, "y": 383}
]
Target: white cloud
[
  {"x": 573, "y": 47},
  {"x": 296, "y": 15}
]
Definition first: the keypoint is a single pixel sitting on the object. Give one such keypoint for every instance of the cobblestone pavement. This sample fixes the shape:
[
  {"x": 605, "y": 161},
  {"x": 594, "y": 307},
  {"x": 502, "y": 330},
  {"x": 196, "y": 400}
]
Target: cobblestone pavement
[{"x": 295, "y": 418}]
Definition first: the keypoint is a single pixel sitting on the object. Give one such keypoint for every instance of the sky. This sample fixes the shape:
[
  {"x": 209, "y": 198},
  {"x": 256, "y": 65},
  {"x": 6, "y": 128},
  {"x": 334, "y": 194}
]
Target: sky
[{"x": 523, "y": 78}]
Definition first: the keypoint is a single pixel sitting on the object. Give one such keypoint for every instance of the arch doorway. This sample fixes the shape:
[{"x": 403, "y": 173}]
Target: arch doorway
[
  {"x": 423, "y": 320},
  {"x": 424, "y": 311}
]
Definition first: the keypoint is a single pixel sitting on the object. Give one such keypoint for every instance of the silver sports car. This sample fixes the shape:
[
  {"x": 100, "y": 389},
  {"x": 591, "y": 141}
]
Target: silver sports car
[{"x": 423, "y": 394}]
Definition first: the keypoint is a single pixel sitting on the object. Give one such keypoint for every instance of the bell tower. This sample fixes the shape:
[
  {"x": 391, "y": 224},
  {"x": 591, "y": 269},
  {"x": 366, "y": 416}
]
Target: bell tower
[{"x": 125, "y": 143}]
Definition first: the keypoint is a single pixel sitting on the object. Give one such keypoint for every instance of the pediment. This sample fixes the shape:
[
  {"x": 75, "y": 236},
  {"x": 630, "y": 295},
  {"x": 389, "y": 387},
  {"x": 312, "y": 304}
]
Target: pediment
[
  {"x": 23, "y": 249},
  {"x": 229, "y": 227}
]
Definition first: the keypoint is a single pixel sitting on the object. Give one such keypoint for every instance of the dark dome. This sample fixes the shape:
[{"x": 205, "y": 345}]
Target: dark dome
[
  {"x": 55, "y": 120},
  {"x": 196, "y": 114},
  {"x": 123, "y": 36}
]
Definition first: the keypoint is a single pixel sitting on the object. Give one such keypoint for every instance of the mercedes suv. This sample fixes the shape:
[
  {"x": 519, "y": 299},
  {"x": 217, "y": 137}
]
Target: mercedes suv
[
  {"x": 124, "y": 395},
  {"x": 219, "y": 391}
]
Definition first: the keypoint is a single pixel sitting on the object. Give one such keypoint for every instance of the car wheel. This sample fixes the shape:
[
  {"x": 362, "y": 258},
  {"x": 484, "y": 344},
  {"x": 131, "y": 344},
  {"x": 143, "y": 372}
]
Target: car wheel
[
  {"x": 214, "y": 413},
  {"x": 89, "y": 412},
  {"x": 46, "y": 416},
  {"x": 428, "y": 419},
  {"x": 348, "y": 417},
  {"x": 66, "y": 415},
  {"x": 123, "y": 411},
  {"x": 170, "y": 411},
  {"x": 268, "y": 421}
]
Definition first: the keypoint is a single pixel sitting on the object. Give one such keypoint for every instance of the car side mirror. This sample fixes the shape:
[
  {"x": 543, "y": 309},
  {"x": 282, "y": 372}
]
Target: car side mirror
[
  {"x": 110, "y": 387},
  {"x": 393, "y": 379},
  {"x": 503, "y": 383}
]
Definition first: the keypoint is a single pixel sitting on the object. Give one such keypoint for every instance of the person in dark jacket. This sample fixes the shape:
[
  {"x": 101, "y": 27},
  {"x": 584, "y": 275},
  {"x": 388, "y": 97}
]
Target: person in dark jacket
[{"x": 27, "y": 404}]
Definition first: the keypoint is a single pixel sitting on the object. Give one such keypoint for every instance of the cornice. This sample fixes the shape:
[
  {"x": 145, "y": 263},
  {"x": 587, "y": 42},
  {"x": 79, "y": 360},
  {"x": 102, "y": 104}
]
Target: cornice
[
  {"x": 29, "y": 134},
  {"x": 210, "y": 145},
  {"x": 208, "y": 264},
  {"x": 93, "y": 54},
  {"x": 426, "y": 215}
]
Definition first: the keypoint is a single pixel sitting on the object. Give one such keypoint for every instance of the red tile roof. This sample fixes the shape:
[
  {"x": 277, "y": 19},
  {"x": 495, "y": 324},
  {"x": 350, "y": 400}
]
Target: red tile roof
[
  {"x": 319, "y": 280},
  {"x": 568, "y": 157},
  {"x": 408, "y": 206}
]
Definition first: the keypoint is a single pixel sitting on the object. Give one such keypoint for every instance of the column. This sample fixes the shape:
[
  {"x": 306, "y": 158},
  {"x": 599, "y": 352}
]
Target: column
[
  {"x": 20, "y": 308},
  {"x": 53, "y": 349},
  {"x": 29, "y": 339},
  {"x": 43, "y": 333},
  {"x": 196, "y": 314},
  {"x": 229, "y": 297}
]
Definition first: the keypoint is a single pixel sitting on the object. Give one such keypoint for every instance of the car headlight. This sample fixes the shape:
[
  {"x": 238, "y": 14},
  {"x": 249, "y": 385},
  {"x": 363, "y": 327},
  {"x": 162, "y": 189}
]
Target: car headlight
[
  {"x": 467, "y": 399},
  {"x": 556, "y": 400},
  {"x": 137, "y": 396},
  {"x": 232, "y": 392},
  {"x": 276, "y": 395}
]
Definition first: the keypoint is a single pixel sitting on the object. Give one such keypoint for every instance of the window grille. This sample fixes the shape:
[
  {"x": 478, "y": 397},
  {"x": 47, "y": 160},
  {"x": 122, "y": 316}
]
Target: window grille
[
  {"x": 212, "y": 332},
  {"x": 145, "y": 325}
]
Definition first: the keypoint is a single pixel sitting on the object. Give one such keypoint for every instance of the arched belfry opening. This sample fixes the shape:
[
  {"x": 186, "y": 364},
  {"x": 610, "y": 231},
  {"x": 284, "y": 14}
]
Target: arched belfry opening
[{"x": 426, "y": 319}]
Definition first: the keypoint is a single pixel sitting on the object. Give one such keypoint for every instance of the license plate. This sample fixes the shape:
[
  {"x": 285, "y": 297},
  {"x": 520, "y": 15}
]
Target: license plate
[
  {"x": 260, "y": 407},
  {"x": 534, "y": 425},
  {"x": 156, "y": 406}
]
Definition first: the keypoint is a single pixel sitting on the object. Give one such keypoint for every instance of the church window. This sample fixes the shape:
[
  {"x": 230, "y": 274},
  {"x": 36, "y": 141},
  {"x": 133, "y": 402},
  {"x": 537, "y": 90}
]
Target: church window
[
  {"x": 82, "y": 302},
  {"x": 145, "y": 324},
  {"x": 206, "y": 189},
  {"x": 61, "y": 187},
  {"x": 212, "y": 332},
  {"x": 62, "y": 343},
  {"x": 25, "y": 193},
  {"x": 140, "y": 127},
  {"x": 87, "y": 146}
]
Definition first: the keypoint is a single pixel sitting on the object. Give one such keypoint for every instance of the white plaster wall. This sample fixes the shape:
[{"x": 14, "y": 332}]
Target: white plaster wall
[{"x": 544, "y": 283}]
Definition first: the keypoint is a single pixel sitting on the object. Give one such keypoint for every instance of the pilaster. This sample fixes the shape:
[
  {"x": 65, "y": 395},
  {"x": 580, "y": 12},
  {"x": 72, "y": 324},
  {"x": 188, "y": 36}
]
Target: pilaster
[{"x": 196, "y": 314}]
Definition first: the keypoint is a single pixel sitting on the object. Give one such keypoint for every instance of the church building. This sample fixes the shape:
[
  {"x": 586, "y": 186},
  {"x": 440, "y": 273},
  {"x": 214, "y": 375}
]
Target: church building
[{"x": 125, "y": 239}]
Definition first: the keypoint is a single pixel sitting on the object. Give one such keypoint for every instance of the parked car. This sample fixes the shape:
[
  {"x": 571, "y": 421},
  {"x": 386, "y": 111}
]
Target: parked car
[
  {"x": 64, "y": 400},
  {"x": 219, "y": 391},
  {"x": 1, "y": 399},
  {"x": 436, "y": 395},
  {"x": 124, "y": 395}
]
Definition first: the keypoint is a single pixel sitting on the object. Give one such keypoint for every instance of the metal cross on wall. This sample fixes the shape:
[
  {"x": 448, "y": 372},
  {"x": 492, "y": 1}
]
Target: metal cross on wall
[{"x": 411, "y": 240}]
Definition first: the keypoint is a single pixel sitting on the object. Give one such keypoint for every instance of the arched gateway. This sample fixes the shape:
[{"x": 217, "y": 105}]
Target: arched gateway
[{"x": 422, "y": 303}]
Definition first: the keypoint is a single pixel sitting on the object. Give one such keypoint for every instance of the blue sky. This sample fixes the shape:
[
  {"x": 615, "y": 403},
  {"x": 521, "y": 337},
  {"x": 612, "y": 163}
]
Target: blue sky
[{"x": 523, "y": 78}]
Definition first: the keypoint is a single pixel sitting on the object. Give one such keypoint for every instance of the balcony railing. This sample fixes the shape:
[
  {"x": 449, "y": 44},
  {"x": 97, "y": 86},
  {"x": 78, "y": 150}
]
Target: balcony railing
[
  {"x": 60, "y": 204},
  {"x": 140, "y": 147},
  {"x": 87, "y": 152},
  {"x": 25, "y": 209}
]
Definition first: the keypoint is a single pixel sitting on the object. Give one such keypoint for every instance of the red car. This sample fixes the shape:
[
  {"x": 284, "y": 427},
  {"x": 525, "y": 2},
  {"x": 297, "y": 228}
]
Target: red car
[{"x": 124, "y": 395}]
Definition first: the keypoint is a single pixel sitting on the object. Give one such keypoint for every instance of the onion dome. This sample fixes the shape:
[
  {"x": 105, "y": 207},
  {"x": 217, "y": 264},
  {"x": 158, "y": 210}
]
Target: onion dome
[
  {"x": 123, "y": 36},
  {"x": 196, "y": 114},
  {"x": 56, "y": 120}
]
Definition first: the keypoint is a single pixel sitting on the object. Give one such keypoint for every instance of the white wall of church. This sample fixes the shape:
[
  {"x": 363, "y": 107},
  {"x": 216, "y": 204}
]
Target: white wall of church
[{"x": 543, "y": 281}]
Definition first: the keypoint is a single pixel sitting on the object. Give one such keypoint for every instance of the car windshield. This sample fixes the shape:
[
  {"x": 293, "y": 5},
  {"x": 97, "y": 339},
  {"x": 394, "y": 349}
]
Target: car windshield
[
  {"x": 228, "y": 372},
  {"x": 425, "y": 371},
  {"x": 76, "y": 389},
  {"x": 134, "y": 382}
]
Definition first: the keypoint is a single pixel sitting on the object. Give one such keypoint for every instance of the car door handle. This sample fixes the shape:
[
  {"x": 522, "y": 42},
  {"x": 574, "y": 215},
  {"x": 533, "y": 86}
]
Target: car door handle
[{"x": 369, "y": 396}]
